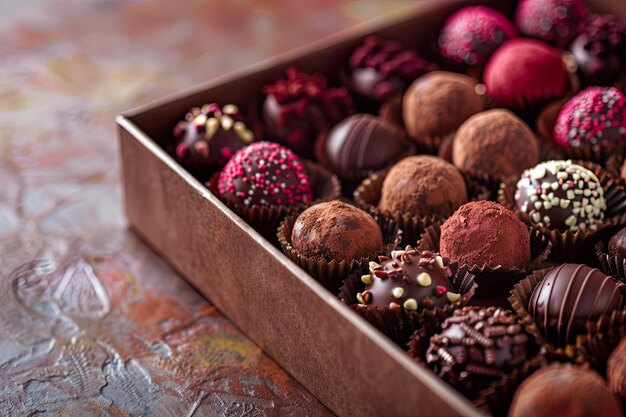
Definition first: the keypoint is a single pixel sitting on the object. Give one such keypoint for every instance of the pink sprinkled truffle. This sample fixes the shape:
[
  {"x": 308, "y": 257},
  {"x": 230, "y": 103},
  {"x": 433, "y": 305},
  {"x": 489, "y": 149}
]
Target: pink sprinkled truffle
[
  {"x": 595, "y": 116},
  {"x": 264, "y": 174},
  {"x": 555, "y": 21},
  {"x": 473, "y": 33}
]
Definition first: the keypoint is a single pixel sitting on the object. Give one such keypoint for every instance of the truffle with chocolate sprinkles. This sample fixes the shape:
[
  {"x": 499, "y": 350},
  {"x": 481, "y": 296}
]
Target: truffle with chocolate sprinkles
[{"x": 560, "y": 195}]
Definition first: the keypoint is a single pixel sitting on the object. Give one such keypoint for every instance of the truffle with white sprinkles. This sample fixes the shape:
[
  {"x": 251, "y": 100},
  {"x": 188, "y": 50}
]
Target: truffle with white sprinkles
[{"x": 560, "y": 195}]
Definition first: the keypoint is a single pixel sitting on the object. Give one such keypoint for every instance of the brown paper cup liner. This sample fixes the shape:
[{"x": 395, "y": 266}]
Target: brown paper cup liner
[
  {"x": 331, "y": 273},
  {"x": 391, "y": 111},
  {"x": 400, "y": 324},
  {"x": 597, "y": 348},
  {"x": 492, "y": 281},
  {"x": 597, "y": 154},
  {"x": 614, "y": 164},
  {"x": 612, "y": 265},
  {"x": 324, "y": 186}
]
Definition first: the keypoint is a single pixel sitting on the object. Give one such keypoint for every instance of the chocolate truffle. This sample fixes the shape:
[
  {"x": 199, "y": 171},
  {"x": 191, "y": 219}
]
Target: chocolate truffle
[
  {"x": 264, "y": 174},
  {"x": 411, "y": 280},
  {"x": 600, "y": 50},
  {"x": 473, "y": 33},
  {"x": 594, "y": 117},
  {"x": 564, "y": 390},
  {"x": 495, "y": 143},
  {"x": 555, "y": 21},
  {"x": 423, "y": 185},
  {"x": 568, "y": 297},
  {"x": 437, "y": 103},
  {"x": 486, "y": 233},
  {"x": 616, "y": 369},
  {"x": 477, "y": 346},
  {"x": 617, "y": 244},
  {"x": 301, "y": 106},
  {"x": 525, "y": 74},
  {"x": 336, "y": 231},
  {"x": 210, "y": 135},
  {"x": 363, "y": 143},
  {"x": 379, "y": 68},
  {"x": 560, "y": 195}
]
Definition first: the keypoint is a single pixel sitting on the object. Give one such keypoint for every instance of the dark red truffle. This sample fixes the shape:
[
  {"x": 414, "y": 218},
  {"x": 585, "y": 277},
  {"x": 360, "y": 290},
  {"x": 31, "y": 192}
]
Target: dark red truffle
[
  {"x": 264, "y": 174},
  {"x": 473, "y": 33},
  {"x": 411, "y": 280},
  {"x": 555, "y": 21},
  {"x": 617, "y": 244},
  {"x": 486, "y": 233},
  {"x": 570, "y": 296},
  {"x": 380, "y": 69},
  {"x": 301, "y": 106},
  {"x": 336, "y": 231},
  {"x": 594, "y": 117},
  {"x": 210, "y": 135},
  {"x": 616, "y": 369}
]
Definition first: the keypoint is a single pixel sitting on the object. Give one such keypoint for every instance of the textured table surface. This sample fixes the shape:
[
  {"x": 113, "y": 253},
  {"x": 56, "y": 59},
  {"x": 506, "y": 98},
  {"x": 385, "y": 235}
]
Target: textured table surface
[{"x": 91, "y": 321}]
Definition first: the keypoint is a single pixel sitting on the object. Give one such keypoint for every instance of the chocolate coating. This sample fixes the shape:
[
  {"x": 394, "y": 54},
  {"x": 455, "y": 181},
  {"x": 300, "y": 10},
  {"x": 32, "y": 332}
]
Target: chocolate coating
[
  {"x": 564, "y": 390},
  {"x": 561, "y": 196},
  {"x": 363, "y": 143},
  {"x": 616, "y": 370},
  {"x": 477, "y": 346},
  {"x": 617, "y": 244},
  {"x": 423, "y": 185},
  {"x": 556, "y": 21},
  {"x": 495, "y": 143},
  {"x": 568, "y": 297},
  {"x": 485, "y": 233},
  {"x": 411, "y": 280},
  {"x": 336, "y": 231},
  {"x": 437, "y": 103}
]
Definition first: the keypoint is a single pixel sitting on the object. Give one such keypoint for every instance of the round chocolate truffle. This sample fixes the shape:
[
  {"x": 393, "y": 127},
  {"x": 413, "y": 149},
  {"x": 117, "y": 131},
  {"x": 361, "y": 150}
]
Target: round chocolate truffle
[
  {"x": 437, "y": 103},
  {"x": 380, "y": 69},
  {"x": 411, "y": 280},
  {"x": 600, "y": 51},
  {"x": 486, "y": 233},
  {"x": 210, "y": 135},
  {"x": 594, "y": 117},
  {"x": 473, "y": 33},
  {"x": 477, "y": 346},
  {"x": 423, "y": 185},
  {"x": 264, "y": 174},
  {"x": 301, "y": 106},
  {"x": 363, "y": 143},
  {"x": 564, "y": 390},
  {"x": 336, "y": 231},
  {"x": 570, "y": 296},
  {"x": 555, "y": 21},
  {"x": 560, "y": 195},
  {"x": 495, "y": 143},
  {"x": 617, "y": 244},
  {"x": 616, "y": 369}
]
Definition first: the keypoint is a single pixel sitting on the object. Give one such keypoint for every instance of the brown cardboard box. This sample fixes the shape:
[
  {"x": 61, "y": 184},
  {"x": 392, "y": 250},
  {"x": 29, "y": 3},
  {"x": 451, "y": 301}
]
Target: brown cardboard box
[{"x": 339, "y": 357}]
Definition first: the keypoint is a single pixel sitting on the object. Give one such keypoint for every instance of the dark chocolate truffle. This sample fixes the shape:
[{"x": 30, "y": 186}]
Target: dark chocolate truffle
[
  {"x": 559, "y": 195},
  {"x": 363, "y": 143},
  {"x": 496, "y": 143},
  {"x": 617, "y": 244},
  {"x": 301, "y": 106},
  {"x": 411, "y": 280},
  {"x": 264, "y": 174},
  {"x": 616, "y": 370},
  {"x": 555, "y": 21},
  {"x": 421, "y": 186},
  {"x": 336, "y": 231},
  {"x": 564, "y": 390},
  {"x": 568, "y": 297},
  {"x": 437, "y": 103},
  {"x": 486, "y": 233},
  {"x": 477, "y": 346}
]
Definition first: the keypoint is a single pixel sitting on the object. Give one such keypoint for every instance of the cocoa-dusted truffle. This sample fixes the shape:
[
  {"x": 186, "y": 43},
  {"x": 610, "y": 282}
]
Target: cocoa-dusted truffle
[
  {"x": 477, "y": 346},
  {"x": 380, "y": 68},
  {"x": 560, "y": 195},
  {"x": 568, "y": 297},
  {"x": 617, "y": 244},
  {"x": 555, "y": 21},
  {"x": 411, "y": 280},
  {"x": 336, "y": 231},
  {"x": 363, "y": 143},
  {"x": 437, "y": 103},
  {"x": 496, "y": 143},
  {"x": 264, "y": 174},
  {"x": 616, "y": 369},
  {"x": 421, "y": 186},
  {"x": 298, "y": 108},
  {"x": 564, "y": 390},
  {"x": 486, "y": 233}
]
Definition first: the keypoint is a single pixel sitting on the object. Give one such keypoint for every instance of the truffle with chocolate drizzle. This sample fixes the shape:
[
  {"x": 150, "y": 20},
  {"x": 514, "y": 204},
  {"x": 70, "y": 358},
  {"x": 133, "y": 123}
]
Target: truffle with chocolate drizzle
[{"x": 409, "y": 279}]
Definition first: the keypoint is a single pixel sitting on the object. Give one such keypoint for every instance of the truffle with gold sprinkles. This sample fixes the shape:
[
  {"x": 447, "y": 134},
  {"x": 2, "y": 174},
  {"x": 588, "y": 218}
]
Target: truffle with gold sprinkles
[{"x": 560, "y": 195}]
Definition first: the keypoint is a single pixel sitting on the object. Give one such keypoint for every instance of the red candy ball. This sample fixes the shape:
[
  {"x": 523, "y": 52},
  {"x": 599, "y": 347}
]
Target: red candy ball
[{"x": 556, "y": 21}]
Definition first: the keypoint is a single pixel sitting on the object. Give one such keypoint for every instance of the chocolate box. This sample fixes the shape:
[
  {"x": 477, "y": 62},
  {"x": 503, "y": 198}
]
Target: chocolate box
[{"x": 344, "y": 361}]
